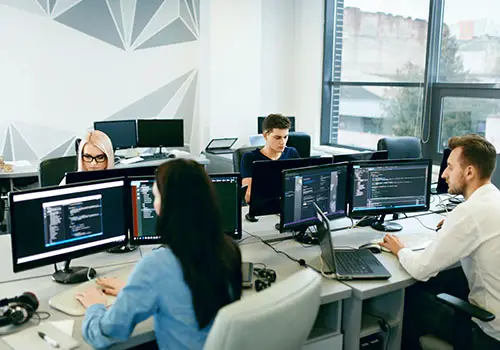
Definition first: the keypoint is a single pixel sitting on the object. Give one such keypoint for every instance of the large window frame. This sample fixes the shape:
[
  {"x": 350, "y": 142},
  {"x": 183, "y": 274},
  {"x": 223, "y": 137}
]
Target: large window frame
[{"x": 434, "y": 91}]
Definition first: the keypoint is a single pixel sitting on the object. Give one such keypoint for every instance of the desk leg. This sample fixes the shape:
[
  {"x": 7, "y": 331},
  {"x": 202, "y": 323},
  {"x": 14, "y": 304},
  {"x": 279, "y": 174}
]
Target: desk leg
[{"x": 351, "y": 323}]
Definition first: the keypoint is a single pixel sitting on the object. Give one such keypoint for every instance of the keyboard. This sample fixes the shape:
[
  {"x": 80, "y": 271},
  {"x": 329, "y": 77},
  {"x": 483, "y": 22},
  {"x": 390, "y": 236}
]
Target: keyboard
[
  {"x": 351, "y": 262},
  {"x": 131, "y": 160},
  {"x": 66, "y": 300}
]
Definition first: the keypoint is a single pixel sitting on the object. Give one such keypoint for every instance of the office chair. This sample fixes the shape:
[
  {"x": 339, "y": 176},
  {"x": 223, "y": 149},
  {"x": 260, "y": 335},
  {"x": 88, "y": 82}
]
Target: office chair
[
  {"x": 77, "y": 145},
  {"x": 279, "y": 318},
  {"x": 400, "y": 147},
  {"x": 462, "y": 319},
  {"x": 52, "y": 171},
  {"x": 301, "y": 142},
  {"x": 238, "y": 156}
]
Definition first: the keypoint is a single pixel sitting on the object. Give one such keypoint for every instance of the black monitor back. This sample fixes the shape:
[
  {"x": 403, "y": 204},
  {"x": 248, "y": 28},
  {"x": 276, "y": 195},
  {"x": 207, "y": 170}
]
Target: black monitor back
[
  {"x": 261, "y": 119},
  {"x": 122, "y": 133},
  {"x": 442, "y": 185},
  {"x": 160, "y": 133},
  {"x": 84, "y": 176},
  {"x": 352, "y": 157},
  {"x": 267, "y": 182}
]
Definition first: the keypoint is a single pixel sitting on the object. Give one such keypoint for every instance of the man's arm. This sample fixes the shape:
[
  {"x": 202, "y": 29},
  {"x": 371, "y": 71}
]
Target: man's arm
[{"x": 247, "y": 181}]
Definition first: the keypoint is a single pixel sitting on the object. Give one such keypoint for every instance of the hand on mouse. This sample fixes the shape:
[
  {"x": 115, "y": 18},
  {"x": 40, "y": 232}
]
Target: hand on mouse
[
  {"x": 392, "y": 243},
  {"x": 110, "y": 285}
]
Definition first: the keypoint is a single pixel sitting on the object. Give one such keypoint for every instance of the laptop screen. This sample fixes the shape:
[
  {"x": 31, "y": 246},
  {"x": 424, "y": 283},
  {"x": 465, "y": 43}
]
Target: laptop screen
[
  {"x": 325, "y": 239},
  {"x": 221, "y": 143}
]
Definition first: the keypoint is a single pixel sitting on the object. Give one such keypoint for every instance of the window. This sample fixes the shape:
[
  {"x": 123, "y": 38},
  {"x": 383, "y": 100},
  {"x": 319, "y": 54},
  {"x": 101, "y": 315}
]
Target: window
[
  {"x": 470, "y": 45},
  {"x": 376, "y": 73},
  {"x": 463, "y": 115}
]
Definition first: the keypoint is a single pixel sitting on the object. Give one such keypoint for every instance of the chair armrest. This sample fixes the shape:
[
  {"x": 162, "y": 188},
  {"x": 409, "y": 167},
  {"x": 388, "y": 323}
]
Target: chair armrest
[{"x": 465, "y": 307}]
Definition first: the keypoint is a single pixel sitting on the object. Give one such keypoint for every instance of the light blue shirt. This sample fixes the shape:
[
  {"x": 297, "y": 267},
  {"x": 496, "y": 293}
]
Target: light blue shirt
[{"x": 155, "y": 288}]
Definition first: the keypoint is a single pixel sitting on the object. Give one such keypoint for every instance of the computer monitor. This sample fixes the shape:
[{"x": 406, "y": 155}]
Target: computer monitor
[
  {"x": 160, "y": 133},
  {"x": 84, "y": 176},
  {"x": 123, "y": 133},
  {"x": 325, "y": 185},
  {"x": 54, "y": 224},
  {"x": 261, "y": 119},
  {"x": 442, "y": 185},
  {"x": 352, "y": 157},
  {"x": 143, "y": 225},
  {"x": 267, "y": 183},
  {"x": 390, "y": 186}
]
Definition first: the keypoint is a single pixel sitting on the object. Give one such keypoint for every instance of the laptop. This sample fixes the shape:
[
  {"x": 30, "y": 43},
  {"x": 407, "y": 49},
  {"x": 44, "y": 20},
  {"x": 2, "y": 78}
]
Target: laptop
[
  {"x": 221, "y": 146},
  {"x": 347, "y": 264},
  {"x": 257, "y": 140}
]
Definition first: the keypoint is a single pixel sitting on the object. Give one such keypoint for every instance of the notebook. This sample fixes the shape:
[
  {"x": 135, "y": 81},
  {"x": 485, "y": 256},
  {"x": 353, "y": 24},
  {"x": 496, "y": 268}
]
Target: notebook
[
  {"x": 29, "y": 338},
  {"x": 347, "y": 264},
  {"x": 220, "y": 146}
]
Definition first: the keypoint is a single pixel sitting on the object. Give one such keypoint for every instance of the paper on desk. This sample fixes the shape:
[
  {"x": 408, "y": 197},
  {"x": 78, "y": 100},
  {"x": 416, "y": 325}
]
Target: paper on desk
[
  {"x": 65, "y": 326},
  {"x": 29, "y": 338},
  {"x": 18, "y": 162}
]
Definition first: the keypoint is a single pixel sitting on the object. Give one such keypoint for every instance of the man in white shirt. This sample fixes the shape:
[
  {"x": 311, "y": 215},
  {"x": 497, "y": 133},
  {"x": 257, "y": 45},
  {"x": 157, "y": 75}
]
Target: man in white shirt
[{"x": 470, "y": 234}]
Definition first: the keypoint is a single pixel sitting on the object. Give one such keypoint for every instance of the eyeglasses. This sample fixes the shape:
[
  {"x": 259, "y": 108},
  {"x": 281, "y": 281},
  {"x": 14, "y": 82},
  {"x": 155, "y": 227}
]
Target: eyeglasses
[{"x": 100, "y": 158}]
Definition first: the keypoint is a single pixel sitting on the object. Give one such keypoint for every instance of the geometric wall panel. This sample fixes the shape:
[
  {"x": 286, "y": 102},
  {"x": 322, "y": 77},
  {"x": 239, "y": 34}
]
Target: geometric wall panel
[
  {"x": 187, "y": 16},
  {"x": 92, "y": 17},
  {"x": 22, "y": 151},
  {"x": 31, "y": 6},
  {"x": 7, "y": 147},
  {"x": 186, "y": 108},
  {"x": 175, "y": 33},
  {"x": 144, "y": 11},
  {"x": 61, "y": 150},
  {"x": 151, "y": 105}
]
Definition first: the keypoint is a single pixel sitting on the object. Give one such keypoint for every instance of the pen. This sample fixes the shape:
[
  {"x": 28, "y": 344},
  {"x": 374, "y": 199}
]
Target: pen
[{"x": 49, "y": 340}]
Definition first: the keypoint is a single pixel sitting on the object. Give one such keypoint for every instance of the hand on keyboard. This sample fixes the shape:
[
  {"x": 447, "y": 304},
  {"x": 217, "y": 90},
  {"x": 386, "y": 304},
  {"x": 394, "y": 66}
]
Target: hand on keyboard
[
  {"x": 110, "y": 285},
  {"x": 91, "y": 296}
]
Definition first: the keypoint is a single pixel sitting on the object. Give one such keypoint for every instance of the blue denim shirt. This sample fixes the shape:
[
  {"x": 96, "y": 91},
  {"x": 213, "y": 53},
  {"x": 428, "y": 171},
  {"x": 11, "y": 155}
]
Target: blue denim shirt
[{"x": 155, "y": 288}]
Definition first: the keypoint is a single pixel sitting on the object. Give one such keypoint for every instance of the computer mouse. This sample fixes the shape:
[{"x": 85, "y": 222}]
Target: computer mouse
[
  {"x": 373, "y": 247},
  {"x": 171, "y": 155}
]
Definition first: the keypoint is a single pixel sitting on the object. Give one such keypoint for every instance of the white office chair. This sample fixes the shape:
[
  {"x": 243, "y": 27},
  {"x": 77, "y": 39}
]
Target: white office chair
[{"x": 279, "y": 317}]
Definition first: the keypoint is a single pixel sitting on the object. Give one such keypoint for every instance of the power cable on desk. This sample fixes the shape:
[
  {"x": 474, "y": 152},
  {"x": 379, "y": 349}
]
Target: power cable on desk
[{"x": 301, "y": 262}]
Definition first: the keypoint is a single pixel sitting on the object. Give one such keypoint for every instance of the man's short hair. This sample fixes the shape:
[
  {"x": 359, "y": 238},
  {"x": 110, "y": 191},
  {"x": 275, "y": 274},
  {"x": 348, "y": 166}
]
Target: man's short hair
[
  {"x": 476, "y": 151},
  {"x": 275, "y": 121}
]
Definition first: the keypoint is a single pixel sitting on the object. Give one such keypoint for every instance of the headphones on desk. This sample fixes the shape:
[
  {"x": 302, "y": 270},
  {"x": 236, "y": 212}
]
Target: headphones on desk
[
  {"x": 264, "y": 278},
  {"x": 18, "y": 310}
]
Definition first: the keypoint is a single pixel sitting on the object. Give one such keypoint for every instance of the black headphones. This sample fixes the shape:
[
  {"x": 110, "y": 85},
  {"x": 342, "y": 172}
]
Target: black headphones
[
  {"x": 18, "y": 310},
  {"x": 264, "y": 278}
]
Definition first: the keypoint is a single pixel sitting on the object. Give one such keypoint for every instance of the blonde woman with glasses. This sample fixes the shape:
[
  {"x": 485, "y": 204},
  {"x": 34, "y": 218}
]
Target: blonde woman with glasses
[{"x": 95, "y": 153}]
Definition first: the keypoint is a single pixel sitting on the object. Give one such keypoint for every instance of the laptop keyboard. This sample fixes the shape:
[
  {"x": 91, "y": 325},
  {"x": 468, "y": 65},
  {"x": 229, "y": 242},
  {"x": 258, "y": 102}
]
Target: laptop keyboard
[{"x": 351, "y": 262}]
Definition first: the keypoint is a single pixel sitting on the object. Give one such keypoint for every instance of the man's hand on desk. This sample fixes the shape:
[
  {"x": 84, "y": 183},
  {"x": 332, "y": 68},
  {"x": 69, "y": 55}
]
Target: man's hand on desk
[
  {"x": 110, "y": 285},
  {"x": 392, "y": 243},
  {"x": 90, "y": 297}
]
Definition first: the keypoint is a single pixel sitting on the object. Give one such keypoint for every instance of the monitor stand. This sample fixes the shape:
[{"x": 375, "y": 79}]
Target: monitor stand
[
  {"x": 301, "y": 235},
  {"x": 122, "y": 249},
  {"x": 380, "y": 225},
  {"x": 71, "y": 275}
]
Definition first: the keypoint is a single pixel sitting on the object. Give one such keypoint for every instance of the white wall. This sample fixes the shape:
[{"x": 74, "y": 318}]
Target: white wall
[{"x": 261, "y": 57}]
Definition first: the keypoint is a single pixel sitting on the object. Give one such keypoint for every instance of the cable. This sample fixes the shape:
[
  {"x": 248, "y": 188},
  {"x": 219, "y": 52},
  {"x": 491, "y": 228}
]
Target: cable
[
  {"x": 421, "y": 223},
  {"x": 330, "y": 275},
  {"x": 301, "y": 262}
]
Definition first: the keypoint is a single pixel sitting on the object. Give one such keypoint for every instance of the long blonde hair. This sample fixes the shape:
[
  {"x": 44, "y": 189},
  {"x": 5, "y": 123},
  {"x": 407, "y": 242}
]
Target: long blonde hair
[{"x": 101, "y": 141}]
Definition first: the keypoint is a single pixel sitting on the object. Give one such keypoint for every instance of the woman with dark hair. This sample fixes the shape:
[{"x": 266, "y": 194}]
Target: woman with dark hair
[{"x": 182, "y": 284}]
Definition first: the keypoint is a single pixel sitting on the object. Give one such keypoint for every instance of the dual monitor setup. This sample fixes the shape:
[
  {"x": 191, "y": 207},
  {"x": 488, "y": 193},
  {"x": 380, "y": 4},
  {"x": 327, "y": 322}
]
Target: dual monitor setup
[
  {"x": 95, "y": 211},
  {"x": 356, "y": 185},
  {"x": 143, "y": 132}
]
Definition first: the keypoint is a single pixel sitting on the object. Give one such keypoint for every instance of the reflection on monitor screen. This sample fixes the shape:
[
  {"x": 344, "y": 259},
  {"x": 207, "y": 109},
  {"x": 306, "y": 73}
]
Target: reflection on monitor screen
[{"x": 324, "y": 185}]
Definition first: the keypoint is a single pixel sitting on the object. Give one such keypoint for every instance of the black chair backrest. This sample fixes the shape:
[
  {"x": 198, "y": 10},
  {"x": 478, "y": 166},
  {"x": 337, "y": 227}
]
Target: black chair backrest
[
  {"x": 301, "y": 142},
  {"x": 52, "y": 170},
  {"x": 238, "y": 155},
  {"x": 77, "y": 145},
  {"x": 400, "y": 147}
]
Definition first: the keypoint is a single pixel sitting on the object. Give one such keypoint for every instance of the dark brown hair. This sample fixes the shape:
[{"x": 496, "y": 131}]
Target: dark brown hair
[
  {"x": 275, "y": 121},
  {"x": 476, "y": 151},
  {"x": 190, "y": 224}
]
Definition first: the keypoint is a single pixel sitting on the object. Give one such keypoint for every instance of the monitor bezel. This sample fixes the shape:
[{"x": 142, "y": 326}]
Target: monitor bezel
[
  {"x": 313, "y": 220},
  {"x": 166, "y": 121},
  {"x": 240, "y": 199},
  {"x": 18, "y": 267},
  {"x": 128, "y": 121},
  {"x": 75, "y": 177},
  {"x": 390, "y": 162}
]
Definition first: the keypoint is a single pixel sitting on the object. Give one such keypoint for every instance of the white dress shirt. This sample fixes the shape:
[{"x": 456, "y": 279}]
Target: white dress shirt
[{"x": 471, "y": 235}]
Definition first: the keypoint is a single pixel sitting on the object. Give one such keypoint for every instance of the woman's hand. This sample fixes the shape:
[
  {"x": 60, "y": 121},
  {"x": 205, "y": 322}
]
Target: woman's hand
[
  {"x": 90, "y": 297},
  {"x": 110, "y": 285}
]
